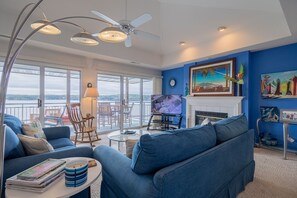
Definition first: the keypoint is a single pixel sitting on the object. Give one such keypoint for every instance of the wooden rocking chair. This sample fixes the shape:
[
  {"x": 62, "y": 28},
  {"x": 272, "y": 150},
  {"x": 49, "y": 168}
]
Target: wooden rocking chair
[{"x": 82, "y": 125}]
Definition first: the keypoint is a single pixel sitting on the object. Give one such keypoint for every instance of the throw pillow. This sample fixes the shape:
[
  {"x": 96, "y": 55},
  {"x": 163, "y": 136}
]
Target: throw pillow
[
  {"x": 157, "y": 151},
  {"x": 34, "y": 129},
  {"x": 13, "y": 146},
  {"x": 230, "y": 127},
  {"x": 34, "y": 145},
  {"x": 129, "y": 147}
]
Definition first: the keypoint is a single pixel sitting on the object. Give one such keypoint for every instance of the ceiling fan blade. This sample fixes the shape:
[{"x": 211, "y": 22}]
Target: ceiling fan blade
[
  {"x": 141, "y": 20},
  {"x": 128, "y": 41},
  {"x": 106, "y": 18},
  {"x": 146, "y": 35}
]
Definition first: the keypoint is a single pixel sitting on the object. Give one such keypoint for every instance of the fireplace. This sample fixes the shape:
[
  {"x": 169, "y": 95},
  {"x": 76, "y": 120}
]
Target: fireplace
[
  {"x": 218, "y": 104},
  {"x": 212, "y": 116}
]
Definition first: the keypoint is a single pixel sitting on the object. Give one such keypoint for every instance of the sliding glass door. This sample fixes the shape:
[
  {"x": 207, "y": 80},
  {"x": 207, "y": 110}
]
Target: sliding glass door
[
  {"x": 109, "y": 102},
  {"x": 42, "y": 92},
  {"x": 23, "y": 92},
  {"x": 122, "y": 103}
]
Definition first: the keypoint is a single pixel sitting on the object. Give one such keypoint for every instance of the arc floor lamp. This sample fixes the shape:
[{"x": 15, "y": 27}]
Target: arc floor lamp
[{"x": 43, "y": 26}]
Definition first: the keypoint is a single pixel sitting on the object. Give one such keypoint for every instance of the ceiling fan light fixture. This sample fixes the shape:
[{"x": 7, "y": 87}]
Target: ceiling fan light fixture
[
  {"x": 222, "y": 28},
  {"x": 84, "y": 38},
  {"x": 112, "y": 35},
  {"x": 182, "y": 43},
  {"x": 50, "y": 29}
]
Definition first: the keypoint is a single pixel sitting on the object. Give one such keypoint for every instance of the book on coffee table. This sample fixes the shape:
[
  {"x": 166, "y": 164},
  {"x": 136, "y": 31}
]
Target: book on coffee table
[{"x": 40, "y": 169}]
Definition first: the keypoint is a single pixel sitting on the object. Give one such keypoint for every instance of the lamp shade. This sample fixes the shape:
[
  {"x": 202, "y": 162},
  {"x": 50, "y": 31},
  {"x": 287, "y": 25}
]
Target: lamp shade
[
  {"x": 91, "y": 92},
  {"x": 84, "y": 38},
  {"x": 50, "y": 29},
  {"x": 112, "y": 35}
]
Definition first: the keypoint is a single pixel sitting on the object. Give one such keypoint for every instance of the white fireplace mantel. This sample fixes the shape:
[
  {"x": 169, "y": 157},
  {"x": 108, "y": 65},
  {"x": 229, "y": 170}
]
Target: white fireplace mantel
[{"x": 223, "y": 104}]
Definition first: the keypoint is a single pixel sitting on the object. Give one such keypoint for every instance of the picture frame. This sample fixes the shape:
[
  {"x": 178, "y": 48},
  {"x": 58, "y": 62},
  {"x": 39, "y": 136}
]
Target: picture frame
[
  {"x": 210, "y": 79},
  {"x": 288, "y": 116},
  {"x": 279, "y": 85},
  {"x": 269, "y": 114}
]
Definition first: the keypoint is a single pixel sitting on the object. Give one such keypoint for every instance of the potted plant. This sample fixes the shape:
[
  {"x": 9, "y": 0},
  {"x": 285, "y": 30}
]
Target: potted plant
[{"x": 238, "y": 80}]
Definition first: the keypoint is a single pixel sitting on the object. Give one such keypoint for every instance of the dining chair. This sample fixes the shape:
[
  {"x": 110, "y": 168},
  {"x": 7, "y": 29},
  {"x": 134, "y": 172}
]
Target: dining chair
[
  {"x": 107, "y": 114},
  {"x": 82, "y": 125}
]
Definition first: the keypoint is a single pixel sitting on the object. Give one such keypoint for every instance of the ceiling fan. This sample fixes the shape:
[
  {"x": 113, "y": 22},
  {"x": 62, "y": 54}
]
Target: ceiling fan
[{"x": 129, "y": 27}]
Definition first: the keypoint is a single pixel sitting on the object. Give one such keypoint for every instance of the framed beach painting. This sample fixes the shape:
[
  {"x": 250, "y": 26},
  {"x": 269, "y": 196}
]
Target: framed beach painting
[
  {"x": 210, "y": 79},
  {"x": 279, "y": 85}
]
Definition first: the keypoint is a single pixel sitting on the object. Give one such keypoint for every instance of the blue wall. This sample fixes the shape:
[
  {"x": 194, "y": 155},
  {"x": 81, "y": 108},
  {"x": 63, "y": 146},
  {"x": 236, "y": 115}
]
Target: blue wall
[
  {"x": 268, "y": 61},
  {"x": 181, "y": 75},
  {"x": 255, "y": 63}
]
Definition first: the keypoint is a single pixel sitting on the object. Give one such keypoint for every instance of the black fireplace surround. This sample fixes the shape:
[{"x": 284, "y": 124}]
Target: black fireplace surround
[{"x": 212, "y": 116}]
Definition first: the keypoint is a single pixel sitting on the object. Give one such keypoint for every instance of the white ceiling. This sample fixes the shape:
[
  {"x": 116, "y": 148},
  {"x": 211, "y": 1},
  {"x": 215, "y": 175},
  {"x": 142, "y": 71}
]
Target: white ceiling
[{"x": 251, "y": 25}]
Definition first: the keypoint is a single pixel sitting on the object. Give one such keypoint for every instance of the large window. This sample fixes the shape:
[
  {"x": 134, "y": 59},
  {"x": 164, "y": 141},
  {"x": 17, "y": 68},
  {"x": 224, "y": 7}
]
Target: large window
[
  {"x": 42, "y": 92},
  {"x": 124, "y": 102}
]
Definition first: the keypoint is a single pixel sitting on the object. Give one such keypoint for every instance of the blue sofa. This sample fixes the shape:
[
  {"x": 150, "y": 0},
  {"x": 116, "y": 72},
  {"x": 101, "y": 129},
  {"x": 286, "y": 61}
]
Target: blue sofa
[
  {"x": 215, "y": 160},
  {"x": 16, "y": 159}
]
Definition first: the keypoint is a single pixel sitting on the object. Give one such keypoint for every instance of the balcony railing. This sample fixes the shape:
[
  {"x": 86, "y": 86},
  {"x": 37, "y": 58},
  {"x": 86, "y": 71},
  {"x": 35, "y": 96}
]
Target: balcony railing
[{"x": 27, "y": 112}]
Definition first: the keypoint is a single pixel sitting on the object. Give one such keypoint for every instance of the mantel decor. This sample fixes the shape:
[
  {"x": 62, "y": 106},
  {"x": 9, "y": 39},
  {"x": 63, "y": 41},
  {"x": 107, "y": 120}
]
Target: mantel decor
[
  {"x": 14, "y": 47},
  {"x": 210, "y": 79}
]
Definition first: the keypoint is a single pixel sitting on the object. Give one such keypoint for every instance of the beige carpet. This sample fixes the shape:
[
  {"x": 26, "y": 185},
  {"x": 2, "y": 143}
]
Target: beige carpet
[{"x": 274, "y": 177}]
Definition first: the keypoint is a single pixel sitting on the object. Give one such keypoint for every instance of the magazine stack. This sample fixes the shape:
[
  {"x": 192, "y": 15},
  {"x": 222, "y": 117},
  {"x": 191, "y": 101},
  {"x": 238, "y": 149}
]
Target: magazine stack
[{"x": 38, "y": 178}]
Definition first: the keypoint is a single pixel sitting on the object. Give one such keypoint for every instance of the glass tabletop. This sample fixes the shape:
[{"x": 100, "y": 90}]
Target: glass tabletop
[{"x": 121, "y": 137}]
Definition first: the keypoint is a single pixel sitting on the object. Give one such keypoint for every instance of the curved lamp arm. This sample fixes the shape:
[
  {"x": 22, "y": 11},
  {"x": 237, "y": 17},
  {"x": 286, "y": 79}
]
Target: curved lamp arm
[{"x": 9, "y": 61}]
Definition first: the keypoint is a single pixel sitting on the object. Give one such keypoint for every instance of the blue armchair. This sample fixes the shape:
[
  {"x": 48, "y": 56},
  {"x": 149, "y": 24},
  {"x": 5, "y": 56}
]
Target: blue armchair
[{"x": 16, "y": 159}]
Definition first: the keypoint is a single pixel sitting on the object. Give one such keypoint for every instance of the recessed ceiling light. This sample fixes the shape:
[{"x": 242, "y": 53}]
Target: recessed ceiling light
[
  {"x": 222, "y": 28},
  {"x": 182, "y": 43}
]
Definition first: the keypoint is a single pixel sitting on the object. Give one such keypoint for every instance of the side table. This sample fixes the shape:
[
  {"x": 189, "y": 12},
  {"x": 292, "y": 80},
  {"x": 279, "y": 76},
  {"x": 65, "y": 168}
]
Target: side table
[{"x": 59, "y": 189}]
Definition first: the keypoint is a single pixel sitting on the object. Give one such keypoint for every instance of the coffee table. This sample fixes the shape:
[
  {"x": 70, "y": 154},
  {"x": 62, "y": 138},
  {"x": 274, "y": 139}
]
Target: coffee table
[
  {"x": 121, "y": 137},
  {"x": 59, "y": 189}
]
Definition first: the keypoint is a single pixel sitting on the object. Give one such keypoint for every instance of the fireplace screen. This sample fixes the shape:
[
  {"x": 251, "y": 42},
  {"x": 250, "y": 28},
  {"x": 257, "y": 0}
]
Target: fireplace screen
[{"x": 212, "y": 116}]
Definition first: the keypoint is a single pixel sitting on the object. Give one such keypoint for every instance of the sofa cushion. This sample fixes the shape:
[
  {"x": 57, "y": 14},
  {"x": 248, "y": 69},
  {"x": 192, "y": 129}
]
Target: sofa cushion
[
  {"x": 13, "y": 146},
  {"x": 60, "y": 142},
  {"x": 156, "y": 151},
  {"x": 230, "y": 127},
  {"x": 14, "y": 123},
  {"x": 34, "y": 145}
]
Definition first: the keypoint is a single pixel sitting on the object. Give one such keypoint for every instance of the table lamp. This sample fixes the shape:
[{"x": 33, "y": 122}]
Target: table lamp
[{"x": 91, "y": 92}]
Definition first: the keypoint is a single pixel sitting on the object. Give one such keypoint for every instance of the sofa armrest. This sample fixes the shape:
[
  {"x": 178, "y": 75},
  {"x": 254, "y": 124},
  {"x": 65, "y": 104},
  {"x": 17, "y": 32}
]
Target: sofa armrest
[
  {"x": 118, "y": 174},
  {"x": 52, "y": 133},
  {"x": 16, "y": 165}
]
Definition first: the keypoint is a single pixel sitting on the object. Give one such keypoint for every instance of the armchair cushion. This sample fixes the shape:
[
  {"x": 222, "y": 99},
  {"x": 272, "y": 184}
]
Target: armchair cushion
[
  {"x": 52, "y": 133},
  {"x": 33, "y": 129},
  {"x": 230, "y": 127},
  {"x": 13, "y": 147},
  {"x": 34, "y": 145},
  {"x": 61, "y": 142},
  {"x": 156, "y": 151}
]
